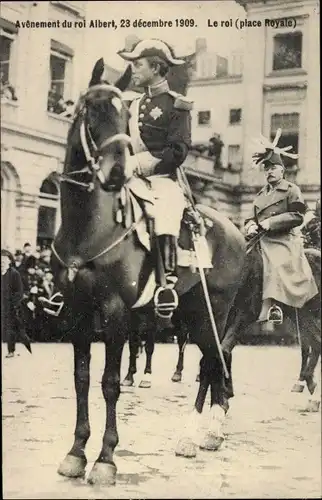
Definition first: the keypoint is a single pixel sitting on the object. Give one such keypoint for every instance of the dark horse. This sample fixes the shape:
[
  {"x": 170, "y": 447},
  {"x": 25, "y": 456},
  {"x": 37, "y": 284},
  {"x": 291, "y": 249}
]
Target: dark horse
[
  {"x": 247, "y": 306},
  {"x": 98, "y": 266}
]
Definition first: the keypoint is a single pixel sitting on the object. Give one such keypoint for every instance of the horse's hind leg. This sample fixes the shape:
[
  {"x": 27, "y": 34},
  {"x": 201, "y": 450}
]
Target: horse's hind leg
[
  {"x": 182, "y": 343},
  {"x": 134, "y": 345},
  {"x": 75, "y": 461},
  {"x": 186, "y": 446},
  {"x": 300, "y": 384},
  {"x": 104, "y": 469},
  {"x": 146, "y": 381}
]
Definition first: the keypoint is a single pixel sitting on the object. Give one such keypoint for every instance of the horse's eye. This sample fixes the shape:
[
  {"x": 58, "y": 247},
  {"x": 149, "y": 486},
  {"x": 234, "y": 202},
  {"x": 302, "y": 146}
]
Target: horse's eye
[{"x": 117, "y": 103}]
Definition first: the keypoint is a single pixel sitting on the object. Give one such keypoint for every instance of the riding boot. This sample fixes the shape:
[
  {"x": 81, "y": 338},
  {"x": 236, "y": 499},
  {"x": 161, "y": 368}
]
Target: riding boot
[
  {"x": 168, "y": 246},
  {"x": 166, "y": 298}
]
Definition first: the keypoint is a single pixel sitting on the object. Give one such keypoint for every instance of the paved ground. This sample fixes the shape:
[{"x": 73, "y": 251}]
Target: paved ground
[{"x": 273, "y": 449}]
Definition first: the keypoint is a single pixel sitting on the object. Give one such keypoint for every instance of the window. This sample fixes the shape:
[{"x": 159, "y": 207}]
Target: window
[
  {"x": 234, "y": 157},
  {"x": 7, "y": 37},
  {"x": 287, "y": 51},
  {"x": 60, "y": 77},
  {"x": 234, "y": 116},
  {"x": 48, "y": 209},
  {"x": 289, "y": 123},
  {"x": 204, "y": 117},
  {"x": 5, "y": 49}
]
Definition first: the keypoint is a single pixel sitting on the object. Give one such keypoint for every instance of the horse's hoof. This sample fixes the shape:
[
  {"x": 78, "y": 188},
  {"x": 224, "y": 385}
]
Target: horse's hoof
[
  {"x": 127, "y": 382},
  {"x": 102, "y": 474},
  {"x": 298, "y": 387},
  {"x": 311, "y": 385},
  {"x": 72, "y": 466},
  {"x": 146, "y": 382},
  {"x": 198, "y": 378},
  {"x": 313, "y": 406},
  {"x": 211, "y": 442},
  {"x": 176, "y": 377},
  {"x": 186, "y": 448}
]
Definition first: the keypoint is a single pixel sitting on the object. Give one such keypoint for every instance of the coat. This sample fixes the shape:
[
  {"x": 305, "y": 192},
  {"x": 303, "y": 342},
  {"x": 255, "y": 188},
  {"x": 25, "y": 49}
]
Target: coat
[
  {"x": 287, "y": 274},
  {"x": 11, "y": 297},
  {"x": 160, "y": 129}
]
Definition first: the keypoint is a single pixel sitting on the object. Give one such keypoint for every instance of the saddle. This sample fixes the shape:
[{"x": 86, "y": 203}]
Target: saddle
[{"x": 134, "y": 206}]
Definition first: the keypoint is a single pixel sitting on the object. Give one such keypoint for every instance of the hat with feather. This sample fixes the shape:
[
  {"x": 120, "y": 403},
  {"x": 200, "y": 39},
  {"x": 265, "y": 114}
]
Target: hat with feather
[
  {"x": 151, "y": 47},
  {"x": 269, "y": 153}
]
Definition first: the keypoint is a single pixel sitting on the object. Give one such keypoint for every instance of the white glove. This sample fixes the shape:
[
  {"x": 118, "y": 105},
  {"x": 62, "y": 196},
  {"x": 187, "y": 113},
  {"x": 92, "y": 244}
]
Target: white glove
[
  {"x": 34, "y": 289},
  {"x": 265, "y": 224},
  {"x": 252, "y": 230},
  {"x": 31, "y": 306}
]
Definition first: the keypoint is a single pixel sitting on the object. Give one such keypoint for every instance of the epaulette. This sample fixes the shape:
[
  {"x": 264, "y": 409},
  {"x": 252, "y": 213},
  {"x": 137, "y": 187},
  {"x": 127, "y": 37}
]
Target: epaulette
[{"x": 181, "y": 102}]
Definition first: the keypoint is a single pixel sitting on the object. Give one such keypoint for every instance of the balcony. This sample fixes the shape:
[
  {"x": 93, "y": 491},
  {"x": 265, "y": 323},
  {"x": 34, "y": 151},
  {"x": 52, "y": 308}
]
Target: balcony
[
  {"x": 9, "y": 111},
  {"x": 199, "y": 165}
]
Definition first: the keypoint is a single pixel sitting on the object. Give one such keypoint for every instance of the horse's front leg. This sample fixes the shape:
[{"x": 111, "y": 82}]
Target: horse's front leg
[
  {"x": 104, "y": 469},
  {"x": 75, "y": 461}
]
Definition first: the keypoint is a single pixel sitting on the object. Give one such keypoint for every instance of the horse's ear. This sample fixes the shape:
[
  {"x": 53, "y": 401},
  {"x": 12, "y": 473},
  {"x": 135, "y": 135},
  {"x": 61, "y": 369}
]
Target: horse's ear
[
  {"x": 124, "y": 80},
  {"x": 98, "y": 72}
]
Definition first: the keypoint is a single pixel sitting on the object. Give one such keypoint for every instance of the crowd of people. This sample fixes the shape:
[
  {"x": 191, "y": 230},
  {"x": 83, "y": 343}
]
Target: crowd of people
[{"x": 31, "y": 279}]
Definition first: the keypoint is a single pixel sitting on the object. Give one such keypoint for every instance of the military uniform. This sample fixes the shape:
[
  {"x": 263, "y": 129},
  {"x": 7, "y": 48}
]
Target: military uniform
[
  {"x": 160, "y": 129},
  {"x": 287, "y": 275}
]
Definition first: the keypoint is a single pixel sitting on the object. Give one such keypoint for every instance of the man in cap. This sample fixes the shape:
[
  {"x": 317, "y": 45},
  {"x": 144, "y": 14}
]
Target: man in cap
[
  {"x": 160, "y": 129},
  {"x": 278, "y": 210}
]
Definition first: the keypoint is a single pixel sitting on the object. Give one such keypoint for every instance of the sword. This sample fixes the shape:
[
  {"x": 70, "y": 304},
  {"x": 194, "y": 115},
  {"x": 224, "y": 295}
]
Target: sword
[{"x": 203, "y": 277}]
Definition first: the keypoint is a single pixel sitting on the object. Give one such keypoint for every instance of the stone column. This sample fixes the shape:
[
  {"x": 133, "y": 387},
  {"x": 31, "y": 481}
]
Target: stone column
[
  {"x": 310, "y": 174},
  {"x": 253, "y": 78},
  {"x": 27, "y": 220}
]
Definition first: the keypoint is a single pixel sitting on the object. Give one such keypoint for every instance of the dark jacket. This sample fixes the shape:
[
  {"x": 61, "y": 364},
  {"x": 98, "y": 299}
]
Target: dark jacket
[
  {"x": 164, "y": 124},
  {"x": 11, "y": 297},
  {"x": 284, "y": 207}
]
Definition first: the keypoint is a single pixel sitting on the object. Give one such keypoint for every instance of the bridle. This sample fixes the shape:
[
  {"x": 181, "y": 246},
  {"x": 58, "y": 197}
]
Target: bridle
[
  {"x": 93, "y": 153},
  {"x": 93, "y": 158}
]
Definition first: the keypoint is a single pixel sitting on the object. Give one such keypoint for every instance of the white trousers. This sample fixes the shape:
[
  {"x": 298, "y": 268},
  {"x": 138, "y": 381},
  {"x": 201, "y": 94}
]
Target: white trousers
[{"x": 169, "y": 203}]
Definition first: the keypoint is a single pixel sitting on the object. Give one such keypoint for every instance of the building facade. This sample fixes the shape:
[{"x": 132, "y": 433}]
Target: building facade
[
  {"x": 40, "y": 77},
  {"x": 279, "y": 87}
]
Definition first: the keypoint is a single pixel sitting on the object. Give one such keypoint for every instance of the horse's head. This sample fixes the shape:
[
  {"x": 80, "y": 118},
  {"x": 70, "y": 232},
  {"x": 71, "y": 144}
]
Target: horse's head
[{"x": 97, "y": 140}]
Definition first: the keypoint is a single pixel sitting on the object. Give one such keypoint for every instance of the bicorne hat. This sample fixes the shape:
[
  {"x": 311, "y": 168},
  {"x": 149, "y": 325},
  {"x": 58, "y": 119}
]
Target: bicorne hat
[
  {"x": 151, "y": 47},
  {"x": 269, "y": 153}
]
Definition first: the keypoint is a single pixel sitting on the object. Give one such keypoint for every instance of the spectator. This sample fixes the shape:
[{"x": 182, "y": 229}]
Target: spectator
[
  {"x": 215, "y": 149},
  {"x": 7, "y": 91},
  {"x": 11, "y": 297},
  {"x": 18, "y": 259}
]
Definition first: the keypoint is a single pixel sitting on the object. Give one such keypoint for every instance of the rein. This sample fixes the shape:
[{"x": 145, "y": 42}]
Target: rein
[{"x": 103, "y": 252}]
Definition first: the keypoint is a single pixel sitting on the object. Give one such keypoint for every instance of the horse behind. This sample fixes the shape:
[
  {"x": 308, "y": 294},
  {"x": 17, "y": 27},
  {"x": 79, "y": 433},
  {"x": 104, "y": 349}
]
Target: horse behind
[{"x": 99, "y": 265}]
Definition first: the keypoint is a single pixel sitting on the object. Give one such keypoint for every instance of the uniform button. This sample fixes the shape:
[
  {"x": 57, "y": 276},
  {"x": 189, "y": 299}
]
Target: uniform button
[
  {"x": 140, "y": 124},
  {"x": 141, "y": 115},
  {"x": 148, "y": 100},
  {"x": 143, "y": 106}
]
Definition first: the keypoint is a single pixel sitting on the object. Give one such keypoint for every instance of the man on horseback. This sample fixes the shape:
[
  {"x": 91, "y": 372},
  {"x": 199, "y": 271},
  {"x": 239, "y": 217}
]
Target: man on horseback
[
  {"x": 160, "y": 129},
  {"x": 278, "y": 211}
]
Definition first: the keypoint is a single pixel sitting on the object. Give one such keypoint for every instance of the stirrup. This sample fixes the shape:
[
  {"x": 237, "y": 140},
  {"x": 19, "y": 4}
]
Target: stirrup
[
  {"x": 275, "y": 314},
  {"x": 165, "y": 301}
]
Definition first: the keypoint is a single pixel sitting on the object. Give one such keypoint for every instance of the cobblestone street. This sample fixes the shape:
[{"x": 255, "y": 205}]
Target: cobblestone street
[{"x": 273, "y": 448}]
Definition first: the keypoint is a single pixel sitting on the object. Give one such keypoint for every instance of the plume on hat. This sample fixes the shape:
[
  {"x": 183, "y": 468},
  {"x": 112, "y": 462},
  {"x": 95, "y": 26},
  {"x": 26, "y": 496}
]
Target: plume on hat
[{"x": 265, "y": 148}]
